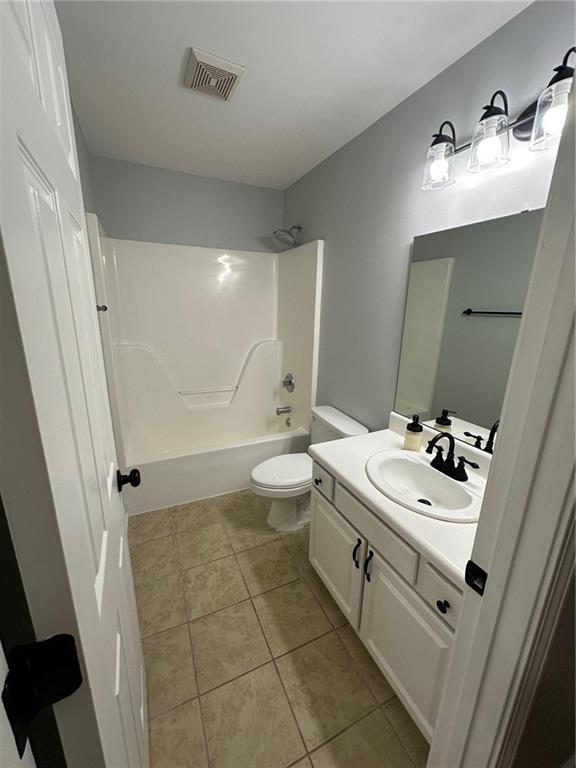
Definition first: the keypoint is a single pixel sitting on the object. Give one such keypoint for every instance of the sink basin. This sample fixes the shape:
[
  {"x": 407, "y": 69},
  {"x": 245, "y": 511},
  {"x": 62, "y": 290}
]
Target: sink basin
[{"x": 409, "y": 480}]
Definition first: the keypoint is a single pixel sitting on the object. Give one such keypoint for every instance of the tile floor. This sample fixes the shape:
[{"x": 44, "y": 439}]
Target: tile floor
[{"x": 249, "y": 662}]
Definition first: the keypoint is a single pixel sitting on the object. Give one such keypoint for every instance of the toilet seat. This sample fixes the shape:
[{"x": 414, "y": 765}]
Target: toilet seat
[{"x": 290, "y": 473}]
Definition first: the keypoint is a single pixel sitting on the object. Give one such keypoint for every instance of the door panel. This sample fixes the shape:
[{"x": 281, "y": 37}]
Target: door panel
[
  {"x": 409, "y": 644},
  {"x": 335, "y": 548},
  {"x": 43, "y": 230}
]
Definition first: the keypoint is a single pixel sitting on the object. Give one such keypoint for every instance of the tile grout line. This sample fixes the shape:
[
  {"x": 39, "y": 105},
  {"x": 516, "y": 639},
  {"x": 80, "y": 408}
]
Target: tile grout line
[
  {"x": 198, "y": 696},
  {"x": 384, "y": 707}
]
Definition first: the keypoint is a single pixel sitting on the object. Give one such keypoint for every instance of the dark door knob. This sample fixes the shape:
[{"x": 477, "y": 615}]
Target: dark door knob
[
  {"x": 133, "y": 479},
  {"x": 442, "y": 605},
  {"x": 317, "y": 480}
]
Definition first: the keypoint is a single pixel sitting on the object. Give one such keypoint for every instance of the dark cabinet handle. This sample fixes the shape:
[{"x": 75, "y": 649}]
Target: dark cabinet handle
[
  {"x": 442, "y": 605},
  {"x": 132, "y": 479},
  {"x": 366, "y": 564},
  {"x": 355, "y": 552},
  {"x": 317, "y": 480}
]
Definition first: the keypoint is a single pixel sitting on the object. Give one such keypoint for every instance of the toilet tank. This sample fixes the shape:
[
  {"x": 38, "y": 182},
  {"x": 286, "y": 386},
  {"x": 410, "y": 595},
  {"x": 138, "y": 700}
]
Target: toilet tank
[{"x": 331, "y": 424}]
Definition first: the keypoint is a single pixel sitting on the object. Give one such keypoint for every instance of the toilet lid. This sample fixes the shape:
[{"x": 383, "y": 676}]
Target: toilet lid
[{"x": 287, "y": 471}]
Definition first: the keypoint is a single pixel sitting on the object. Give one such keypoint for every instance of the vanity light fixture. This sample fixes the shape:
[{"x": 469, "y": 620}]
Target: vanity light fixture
[
  {"x": 552, "y": 107},
  {"x": 541, "y": 124},
  {"x": 439, "y": 169},
  {"x": 491, "y": 141}
]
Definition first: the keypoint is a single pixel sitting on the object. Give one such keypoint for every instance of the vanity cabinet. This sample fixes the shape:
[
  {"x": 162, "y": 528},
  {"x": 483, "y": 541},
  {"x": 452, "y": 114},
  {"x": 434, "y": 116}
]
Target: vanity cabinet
[{"x": 402, "y": 608}]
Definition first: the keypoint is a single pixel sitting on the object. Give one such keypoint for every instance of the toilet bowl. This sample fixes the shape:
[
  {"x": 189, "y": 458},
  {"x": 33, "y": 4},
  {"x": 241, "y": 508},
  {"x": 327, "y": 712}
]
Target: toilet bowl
[{"x": 287, "y": 479}]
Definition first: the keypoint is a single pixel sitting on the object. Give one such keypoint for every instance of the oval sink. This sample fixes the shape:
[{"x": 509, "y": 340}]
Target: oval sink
[{"x": 409, "y": 480}]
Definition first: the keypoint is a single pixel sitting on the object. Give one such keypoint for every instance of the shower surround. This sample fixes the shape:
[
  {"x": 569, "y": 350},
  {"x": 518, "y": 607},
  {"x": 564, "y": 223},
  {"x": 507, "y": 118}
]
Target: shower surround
[{"x": 196, "y": 343}]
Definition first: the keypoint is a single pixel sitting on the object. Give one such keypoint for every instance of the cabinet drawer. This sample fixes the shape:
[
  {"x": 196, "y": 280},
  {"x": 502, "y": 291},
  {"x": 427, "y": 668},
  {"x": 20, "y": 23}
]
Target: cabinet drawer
[
  {"x": 323, "y": 481},
  {"x": 394, "y": 549},
  {"x": 439, "y": 592}
]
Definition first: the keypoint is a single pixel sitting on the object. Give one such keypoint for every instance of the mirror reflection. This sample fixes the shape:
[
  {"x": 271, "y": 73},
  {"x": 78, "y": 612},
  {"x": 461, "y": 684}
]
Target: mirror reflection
[{"x": 466, "y": 293}]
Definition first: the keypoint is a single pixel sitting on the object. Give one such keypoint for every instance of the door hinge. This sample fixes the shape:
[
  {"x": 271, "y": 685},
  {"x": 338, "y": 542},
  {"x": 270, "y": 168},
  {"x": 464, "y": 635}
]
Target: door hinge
[{"x": 475, "y": 577}]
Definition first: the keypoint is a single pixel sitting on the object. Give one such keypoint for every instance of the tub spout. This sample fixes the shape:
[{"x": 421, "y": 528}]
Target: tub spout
[{"x": 283, "y": 409}]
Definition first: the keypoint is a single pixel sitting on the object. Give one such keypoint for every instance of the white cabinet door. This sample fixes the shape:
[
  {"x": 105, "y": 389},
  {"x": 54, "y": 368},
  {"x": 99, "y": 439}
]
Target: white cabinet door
[
  {"x": 410, "y": 645},
  {"x": 337, "y": 553}
]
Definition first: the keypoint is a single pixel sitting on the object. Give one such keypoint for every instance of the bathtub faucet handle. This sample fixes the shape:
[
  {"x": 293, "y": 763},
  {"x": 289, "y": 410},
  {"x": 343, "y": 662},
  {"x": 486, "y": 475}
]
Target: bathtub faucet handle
[
  {"x": 283, "y": 409},
  {"x": 289, "y": 382}
]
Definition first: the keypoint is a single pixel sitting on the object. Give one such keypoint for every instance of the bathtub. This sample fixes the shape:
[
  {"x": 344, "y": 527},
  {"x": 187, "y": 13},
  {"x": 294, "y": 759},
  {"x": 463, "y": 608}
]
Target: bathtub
[{"x": 179, "y": 477}]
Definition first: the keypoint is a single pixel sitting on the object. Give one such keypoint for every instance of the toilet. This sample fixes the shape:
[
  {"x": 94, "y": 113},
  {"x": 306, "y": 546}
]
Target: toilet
[{"x": 287, "y": 479}]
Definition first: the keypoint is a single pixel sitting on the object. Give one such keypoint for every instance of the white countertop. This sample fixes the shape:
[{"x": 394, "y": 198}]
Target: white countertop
[{"x": 446, "y": 545}]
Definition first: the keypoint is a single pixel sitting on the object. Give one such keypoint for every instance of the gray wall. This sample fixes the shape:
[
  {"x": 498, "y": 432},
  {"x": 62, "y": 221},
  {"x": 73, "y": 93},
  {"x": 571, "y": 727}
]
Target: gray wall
[
  {"x": 85, "y": 164},
  {"x": 492, "y": 265},
  {"x": 365, "y": 201},
  {"x": 137, "y": 202}
]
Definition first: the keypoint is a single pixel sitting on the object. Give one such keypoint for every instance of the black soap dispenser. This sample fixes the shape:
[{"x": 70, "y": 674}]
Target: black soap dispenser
[
  {"x": 444, "y": 422},
  {"x": 414, "y": 435}
]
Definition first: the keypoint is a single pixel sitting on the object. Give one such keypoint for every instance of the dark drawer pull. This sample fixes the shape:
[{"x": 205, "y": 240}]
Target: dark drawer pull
[
  {"x": 317, "y": 480},
  {"x": 442, "y": 605},
  {"x": 366, "y": 564},
  {"x": 355, "y": 552}
]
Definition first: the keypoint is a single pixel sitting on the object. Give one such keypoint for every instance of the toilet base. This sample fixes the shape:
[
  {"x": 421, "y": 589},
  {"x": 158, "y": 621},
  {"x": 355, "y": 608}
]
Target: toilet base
[{"x": 290, "y": 514}]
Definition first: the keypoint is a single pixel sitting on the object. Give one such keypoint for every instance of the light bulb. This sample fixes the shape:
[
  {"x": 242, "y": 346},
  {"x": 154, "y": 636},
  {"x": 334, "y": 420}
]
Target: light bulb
[
  {"x": 489, "y": 150},
  {"x": 554, "y": 119},
  {"x": 439, "y": 169}
]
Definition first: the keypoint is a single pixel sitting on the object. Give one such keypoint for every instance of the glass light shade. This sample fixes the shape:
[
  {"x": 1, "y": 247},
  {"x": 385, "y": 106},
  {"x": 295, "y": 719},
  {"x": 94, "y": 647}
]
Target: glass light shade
[
  {"x": 551, "y": 115},
  {"x": 439, "y": 169},
  {"x": 490, "y": 144}
]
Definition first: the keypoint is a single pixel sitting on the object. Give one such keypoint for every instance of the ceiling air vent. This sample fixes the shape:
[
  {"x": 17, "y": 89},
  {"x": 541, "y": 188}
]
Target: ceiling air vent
[{"x": 209, "y": 74}]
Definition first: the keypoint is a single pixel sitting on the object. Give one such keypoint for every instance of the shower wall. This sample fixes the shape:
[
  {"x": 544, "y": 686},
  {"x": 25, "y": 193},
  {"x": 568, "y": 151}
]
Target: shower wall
[{"x": 197, "y": 341}]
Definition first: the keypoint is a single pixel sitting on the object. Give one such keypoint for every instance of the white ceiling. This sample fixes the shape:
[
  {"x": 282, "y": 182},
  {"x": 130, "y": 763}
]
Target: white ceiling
[{"x": 317, "y": 74}]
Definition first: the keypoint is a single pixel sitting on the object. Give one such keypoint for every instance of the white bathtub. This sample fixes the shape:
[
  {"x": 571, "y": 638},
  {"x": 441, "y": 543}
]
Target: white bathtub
[{"x": 204, "y": 473}]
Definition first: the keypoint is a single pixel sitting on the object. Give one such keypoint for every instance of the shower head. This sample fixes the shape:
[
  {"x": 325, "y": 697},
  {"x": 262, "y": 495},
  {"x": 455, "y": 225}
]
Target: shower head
[{"x": 286, "y": 236}]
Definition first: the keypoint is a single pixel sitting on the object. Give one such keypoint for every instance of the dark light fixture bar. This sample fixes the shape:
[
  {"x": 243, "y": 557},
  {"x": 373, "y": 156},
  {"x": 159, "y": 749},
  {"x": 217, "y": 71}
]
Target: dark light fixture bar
[
  {"x": 520, "y": 121},
  {"x": 470, "y": 311}
]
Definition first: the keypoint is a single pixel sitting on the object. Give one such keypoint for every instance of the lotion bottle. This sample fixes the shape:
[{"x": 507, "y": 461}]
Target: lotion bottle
[
  {"x": 414, "y": 435},
  {"x": 444, "y": 423}
]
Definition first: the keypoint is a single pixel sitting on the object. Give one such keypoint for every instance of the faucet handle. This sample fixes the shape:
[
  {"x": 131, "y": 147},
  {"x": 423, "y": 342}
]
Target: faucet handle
[
  {"x": 460, "y": 473},
  {"x": 438, "y": 461},
  {"x": 477, "y": 439}
]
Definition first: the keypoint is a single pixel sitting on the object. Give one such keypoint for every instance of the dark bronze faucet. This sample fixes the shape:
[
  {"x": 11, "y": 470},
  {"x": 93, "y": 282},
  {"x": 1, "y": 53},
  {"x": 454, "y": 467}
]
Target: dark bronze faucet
[
  {"x": 489, "y": 447},
  {"x": 445, "y": 465}
]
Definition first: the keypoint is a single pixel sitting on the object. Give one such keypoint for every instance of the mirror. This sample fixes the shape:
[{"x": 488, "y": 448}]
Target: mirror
[{"x": 465, "y": 298}]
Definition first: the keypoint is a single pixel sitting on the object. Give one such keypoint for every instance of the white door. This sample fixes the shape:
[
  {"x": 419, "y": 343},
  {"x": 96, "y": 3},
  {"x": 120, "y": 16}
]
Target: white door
[
  {"x": 337, "y": 553},
  {"x": 43, "y": 230},
  {"x": 408, "y": 642}
]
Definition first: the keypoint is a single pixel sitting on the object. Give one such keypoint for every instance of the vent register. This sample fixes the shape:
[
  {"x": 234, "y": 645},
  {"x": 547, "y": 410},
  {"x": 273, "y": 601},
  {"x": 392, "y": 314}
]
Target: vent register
[{"x": 212, "y": 75}]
